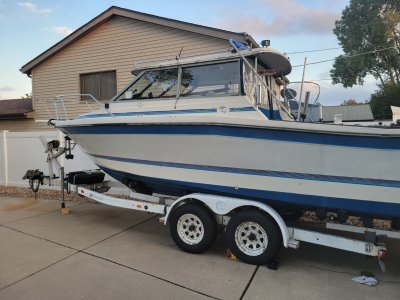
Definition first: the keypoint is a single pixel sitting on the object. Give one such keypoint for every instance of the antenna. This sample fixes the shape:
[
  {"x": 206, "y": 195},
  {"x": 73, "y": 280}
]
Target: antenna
[
  {"x": 301, "y": 87},
  {"x": 179, "y": 76}
]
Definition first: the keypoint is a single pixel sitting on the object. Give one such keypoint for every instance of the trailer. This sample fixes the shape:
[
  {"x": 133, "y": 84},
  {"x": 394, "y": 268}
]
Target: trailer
[{"x": 255, "y": 231}]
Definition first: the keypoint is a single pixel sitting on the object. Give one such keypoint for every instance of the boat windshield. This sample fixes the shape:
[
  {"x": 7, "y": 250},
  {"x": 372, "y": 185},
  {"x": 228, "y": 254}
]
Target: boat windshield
[
  {"x": 153, "y": 84},
  {"x": 197, "y": 81}
]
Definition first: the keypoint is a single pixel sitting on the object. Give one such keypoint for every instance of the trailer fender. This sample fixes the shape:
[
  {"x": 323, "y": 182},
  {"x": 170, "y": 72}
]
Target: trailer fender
[{"x": 221, "y": 205}]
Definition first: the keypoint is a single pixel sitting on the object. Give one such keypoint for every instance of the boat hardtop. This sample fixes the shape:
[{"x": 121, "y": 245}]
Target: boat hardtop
[{"x": 270, "y": 59}]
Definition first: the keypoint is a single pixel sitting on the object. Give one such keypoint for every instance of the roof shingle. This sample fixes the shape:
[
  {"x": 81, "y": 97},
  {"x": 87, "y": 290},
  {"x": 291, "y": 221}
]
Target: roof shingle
[{"x": 15, "y": 107}]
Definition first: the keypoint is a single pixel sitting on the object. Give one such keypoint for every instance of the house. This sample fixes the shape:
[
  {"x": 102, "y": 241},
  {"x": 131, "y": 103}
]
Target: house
[
  {"x": 16, "y": 115},
  {"x": 98, "y": 57},
  {"x": 349, "y": 113}
]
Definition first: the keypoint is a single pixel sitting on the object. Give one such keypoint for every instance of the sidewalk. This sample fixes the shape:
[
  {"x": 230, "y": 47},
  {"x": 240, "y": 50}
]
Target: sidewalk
[{"x": 102, "y": 252}]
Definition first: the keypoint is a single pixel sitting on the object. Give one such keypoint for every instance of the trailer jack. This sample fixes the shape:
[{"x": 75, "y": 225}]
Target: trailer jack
[{"x": 54, "y": 151}]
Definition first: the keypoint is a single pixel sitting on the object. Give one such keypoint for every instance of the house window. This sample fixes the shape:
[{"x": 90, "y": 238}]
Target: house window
[{"x": 101, "y": 85}]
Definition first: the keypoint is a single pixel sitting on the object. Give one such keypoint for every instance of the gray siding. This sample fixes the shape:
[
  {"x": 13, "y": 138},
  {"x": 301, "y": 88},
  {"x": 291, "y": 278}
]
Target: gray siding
[{"x": 360, "y": 112}]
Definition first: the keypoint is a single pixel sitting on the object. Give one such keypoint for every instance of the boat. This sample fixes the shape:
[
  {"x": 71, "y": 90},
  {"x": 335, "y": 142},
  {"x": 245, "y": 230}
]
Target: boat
[{"x": 216, "y": 124}]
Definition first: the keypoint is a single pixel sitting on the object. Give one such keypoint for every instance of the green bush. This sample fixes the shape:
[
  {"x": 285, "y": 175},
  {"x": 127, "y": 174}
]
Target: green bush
[{"x": 382, "y": 99}]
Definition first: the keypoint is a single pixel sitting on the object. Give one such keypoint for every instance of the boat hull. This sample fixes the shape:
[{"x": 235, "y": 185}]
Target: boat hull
[{"x": 280, "y": 167}]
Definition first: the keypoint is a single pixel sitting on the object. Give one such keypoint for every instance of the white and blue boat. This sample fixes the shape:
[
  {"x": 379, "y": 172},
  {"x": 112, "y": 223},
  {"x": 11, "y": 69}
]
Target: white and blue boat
[{"x": 215, "y": 124}]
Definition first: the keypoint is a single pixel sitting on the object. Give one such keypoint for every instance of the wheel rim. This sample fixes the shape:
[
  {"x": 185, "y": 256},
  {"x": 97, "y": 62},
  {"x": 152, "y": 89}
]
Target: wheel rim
[
  {"x": 251, "y": 238},
  {"x": 190, "y": 229}
]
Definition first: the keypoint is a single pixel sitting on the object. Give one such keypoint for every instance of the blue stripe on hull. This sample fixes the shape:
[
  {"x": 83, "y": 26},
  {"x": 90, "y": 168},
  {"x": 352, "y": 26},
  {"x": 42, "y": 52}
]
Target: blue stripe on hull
[
  {"x": 280, "y": 174},
  {"x": 356, "y": 141},
  {"x": 269, "y": 197}
]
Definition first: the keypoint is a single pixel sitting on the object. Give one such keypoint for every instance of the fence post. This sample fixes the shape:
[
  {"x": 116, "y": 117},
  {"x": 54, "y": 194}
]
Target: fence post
[{"x": 5, "y": 157}]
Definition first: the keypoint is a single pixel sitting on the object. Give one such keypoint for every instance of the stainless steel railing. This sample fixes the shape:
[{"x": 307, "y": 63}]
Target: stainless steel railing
[{"x": 67, "y": 106}]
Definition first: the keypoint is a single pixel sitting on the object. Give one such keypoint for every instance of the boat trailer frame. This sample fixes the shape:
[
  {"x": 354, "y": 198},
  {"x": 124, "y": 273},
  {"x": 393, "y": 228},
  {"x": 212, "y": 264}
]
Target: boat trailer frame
[{"x": 220, "y": 206}]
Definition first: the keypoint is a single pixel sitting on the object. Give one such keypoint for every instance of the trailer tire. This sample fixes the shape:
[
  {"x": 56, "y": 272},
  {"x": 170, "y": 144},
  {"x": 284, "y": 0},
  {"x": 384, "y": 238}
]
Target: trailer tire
[
  {"x": 291, "y": 214},
  {"x": 253, "y": 237},
  {"x": 193, "y": 227}
]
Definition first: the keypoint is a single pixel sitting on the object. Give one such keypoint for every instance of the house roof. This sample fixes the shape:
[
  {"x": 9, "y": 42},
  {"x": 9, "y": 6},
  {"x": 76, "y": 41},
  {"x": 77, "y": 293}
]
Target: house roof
[
  {"x": 350, "y": 113},
  {"x": 122, "y": 12},
  {"x": 15, "y": 107}
]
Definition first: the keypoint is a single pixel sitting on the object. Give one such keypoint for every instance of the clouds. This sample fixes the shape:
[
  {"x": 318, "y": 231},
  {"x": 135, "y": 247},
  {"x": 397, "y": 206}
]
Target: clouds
[
  {"x": 335, "y": 94},
  {"x": 29, "y": 6},
  {"x": 6, "y": 89},
  {"x": 284, "y": 17},
  {"x": 62, "y": 30},
  {"x": 33, "y": 8}
]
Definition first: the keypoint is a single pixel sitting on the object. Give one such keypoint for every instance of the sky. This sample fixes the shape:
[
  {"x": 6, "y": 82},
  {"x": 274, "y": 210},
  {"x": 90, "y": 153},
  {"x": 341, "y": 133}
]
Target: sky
[{"x": 27, "y": 28}]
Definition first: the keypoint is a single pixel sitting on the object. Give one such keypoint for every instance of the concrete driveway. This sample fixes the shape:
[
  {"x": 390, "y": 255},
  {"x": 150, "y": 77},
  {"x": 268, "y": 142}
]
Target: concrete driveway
[{"x": 102, "y": 252}]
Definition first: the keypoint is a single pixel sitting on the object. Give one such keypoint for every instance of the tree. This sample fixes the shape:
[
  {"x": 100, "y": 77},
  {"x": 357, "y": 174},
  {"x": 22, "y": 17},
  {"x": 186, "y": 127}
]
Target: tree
[
  {"x": 369, "y": 32},
  {"x": 350, "y": 102},
  {"x": 370, "y": 26},
  {"x": 27, "y": 96},
  {"x": 382, "y": 99}
]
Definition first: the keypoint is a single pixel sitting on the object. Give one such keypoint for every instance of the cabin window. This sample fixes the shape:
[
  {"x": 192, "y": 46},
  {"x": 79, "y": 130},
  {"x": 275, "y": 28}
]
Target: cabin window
[
  {"x": 101, "y": 85},
  {"x": 211, "y": 80},
  {"x": 153, "y": 84},
  {"x": 198, "y": 81}
]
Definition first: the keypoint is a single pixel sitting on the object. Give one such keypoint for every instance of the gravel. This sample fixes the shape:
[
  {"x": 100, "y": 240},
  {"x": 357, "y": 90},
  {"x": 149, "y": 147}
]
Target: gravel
[
  {"x": 42, "y": 193},
  {"x": 310, "y": 217}
]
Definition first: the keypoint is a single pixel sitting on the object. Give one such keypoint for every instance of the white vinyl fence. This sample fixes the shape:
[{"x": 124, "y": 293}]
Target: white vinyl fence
[{"x": 21, "y": 151}]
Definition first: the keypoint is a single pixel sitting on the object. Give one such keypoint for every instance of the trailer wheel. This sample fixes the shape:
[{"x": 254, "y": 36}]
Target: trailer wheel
[
  {"x": 253, "y": 237},
  {"x": 193, "y": 228}
]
